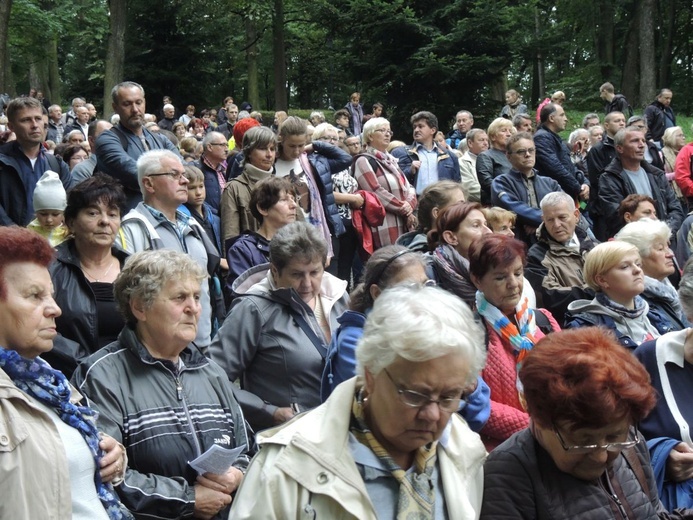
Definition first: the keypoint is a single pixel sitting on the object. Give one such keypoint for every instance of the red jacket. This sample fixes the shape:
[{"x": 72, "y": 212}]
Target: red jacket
[{"x": 371, "y": 214}]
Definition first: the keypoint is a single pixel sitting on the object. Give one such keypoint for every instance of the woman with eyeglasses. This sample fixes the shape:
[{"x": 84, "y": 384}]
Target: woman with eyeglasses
[
  {"x": 389, "y": 266},
  {"x": 345, "y": 189},
  {"x": 377, "y": 171},
  {"x": 513, "y": 326},
  {"x": 581, "y": 456},
  {"x": 387, "y": 443}
]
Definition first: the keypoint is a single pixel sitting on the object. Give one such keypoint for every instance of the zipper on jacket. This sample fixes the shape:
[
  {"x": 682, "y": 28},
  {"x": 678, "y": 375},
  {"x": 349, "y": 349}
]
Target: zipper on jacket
[
  {"x": 612, "y": 494},
  {"x": 181, "y": 398}
]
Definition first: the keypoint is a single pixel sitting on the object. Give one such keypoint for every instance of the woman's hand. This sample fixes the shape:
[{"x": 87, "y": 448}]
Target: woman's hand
[
  {"x": 281, "y": 415},
  {"x": 226, "y": 483},
  {"x": 209, "y": 502},
  {"x": 680, "y": 463},
  {"x": 114, "y": 461},
  {"x": 357, "y": 201},
  {"x": 406, "y": 209}
]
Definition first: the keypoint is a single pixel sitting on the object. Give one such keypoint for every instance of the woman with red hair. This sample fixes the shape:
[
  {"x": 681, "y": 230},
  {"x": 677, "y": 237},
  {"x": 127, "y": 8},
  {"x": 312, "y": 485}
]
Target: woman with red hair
[
  {"x": 496, "y": 267},
  {"x": 581, "y": 456}
]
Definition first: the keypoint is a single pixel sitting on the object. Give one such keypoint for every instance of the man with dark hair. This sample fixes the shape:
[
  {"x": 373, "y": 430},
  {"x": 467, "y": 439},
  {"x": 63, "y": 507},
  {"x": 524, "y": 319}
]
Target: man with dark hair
[
  {"x": 226, "y": 127},
  {"x": 553, "y": 156},
  {"x": 590, "y": 120},
  {"x": 614, "y": 102},
  {"x": 341, "y": 121},
  {"x": 118, "y": 149},
  {"x": 425, "y": 162},
  {"x": 24, "y": 161},
  {"x": 660, "y": 116},
  {"x": 598, "y": 158},
  {"x": 629, "y": 173}
]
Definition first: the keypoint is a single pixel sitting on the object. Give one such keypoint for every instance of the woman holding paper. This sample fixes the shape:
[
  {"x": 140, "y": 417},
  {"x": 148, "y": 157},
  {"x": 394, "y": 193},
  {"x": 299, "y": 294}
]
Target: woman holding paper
[{"x": 161, "y": 397}]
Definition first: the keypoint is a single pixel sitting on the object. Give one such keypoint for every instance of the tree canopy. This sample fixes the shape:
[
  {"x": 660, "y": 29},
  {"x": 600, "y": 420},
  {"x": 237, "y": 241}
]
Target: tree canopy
[{"x": 407, "y": 54}]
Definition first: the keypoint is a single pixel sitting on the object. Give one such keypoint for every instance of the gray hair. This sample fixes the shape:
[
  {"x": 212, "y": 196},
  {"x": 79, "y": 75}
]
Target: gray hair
[
  {"x": 589, "y": 116},
  {"x": 320, "y": 130},
  {"x": 620, "y": 137},
  {"x": 686, "y": 289},
  {"x": 419, "y": 324},
  {"x": 474, "y": 133},
  {"x": 575, "y": 135},
  {"x": 257, "y": 137},
  {"x": 207, "y": 139},
  {"x": 643, "y": 233},
  {"x": 146, "y": 273},
  {"x": 464, "y": 112},
  {"x": 317, "y": 114},
  {"x": 124, "y": 84},
  {"x": 150, "y": 162},
  {"x": 556, "y": 198},
  {"x": 169, "y": 106},
  {"x": 298, "y": 240},
  {"x": 373, "y": 124}
]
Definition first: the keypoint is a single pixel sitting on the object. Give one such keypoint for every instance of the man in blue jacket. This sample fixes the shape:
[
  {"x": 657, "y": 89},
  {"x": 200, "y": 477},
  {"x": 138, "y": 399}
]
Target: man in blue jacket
[
  {"x": 553, "y": 156},
  {"x": 24, "y": 161},
  {"x": 118, "y": 149},
  {"x": 425, "y": 162}
]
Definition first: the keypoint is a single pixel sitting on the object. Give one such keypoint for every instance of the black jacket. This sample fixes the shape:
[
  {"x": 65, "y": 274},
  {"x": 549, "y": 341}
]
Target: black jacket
[
  {"x": 614, "y": 186},
  {"x": 553, "y": 160},
  {"x": 14, "y": 207},
  {"x": 657, "y": 115},
  {"x": 618, "y": 104},
  {"x": 73, "y": 294}
]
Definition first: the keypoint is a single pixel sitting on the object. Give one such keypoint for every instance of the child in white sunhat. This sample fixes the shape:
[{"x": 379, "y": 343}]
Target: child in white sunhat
[{"x": 50, "y": 201}]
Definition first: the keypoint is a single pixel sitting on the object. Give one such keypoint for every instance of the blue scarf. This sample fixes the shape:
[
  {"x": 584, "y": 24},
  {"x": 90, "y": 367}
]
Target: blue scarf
[{"x": 36, "y": 378}]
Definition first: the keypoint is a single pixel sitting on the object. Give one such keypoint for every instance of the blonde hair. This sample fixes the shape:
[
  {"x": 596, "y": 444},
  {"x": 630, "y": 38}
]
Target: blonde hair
[
  {"x": 496, "y": 215},
  {"x": 497, "y": 125},
  {"x": 604, "y": 257}
]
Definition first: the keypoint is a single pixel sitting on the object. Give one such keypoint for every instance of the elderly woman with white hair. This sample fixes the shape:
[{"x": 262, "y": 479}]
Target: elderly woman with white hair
[
  {"x": 651, "y": 237},
  {"x": 669, "y": 361},
  {"x": 614, "y": 271},
  {"x": 387, "y": 443},
  {"x": 377, "y": 171}
]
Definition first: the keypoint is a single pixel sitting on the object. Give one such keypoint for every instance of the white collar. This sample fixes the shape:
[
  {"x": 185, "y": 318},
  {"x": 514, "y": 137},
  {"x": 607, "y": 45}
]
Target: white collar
[{"x": 670, "y": 347}]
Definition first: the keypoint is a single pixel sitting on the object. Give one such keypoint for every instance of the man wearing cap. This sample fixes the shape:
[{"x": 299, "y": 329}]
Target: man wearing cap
[
  {"x": 24, "y": 161},
  {"x": 118, "y": 149}
]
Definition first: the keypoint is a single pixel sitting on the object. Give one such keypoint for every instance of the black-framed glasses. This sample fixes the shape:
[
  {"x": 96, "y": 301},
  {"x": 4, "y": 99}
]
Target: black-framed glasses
[
  {"x": 176, "y": 176},
  {"x": 417, "y": 400},
  {"x": 613, "y": 447},
  {"x": 523, "y": 151}
]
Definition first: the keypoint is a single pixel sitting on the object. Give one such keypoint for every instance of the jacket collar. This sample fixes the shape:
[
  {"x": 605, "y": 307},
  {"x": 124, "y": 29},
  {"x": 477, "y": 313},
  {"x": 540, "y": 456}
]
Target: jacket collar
[{"x": 191, "y": 356}]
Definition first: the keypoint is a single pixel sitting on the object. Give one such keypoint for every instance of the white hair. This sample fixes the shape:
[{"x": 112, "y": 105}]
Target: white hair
[
  {"x": 556, "y": 198},
  {"x": 320, "y": 130},
  {"x": 150, "y": 162},
  {"x": 575, "y": 135},
  {"x": 643, "y": 233},
  {"x": 168, "y": 106},
  {"x": 419, "y": 324},
  {"x": 373, "y": 124}
]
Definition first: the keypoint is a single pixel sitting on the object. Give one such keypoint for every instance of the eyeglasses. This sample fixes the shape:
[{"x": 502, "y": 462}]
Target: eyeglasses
[
  {"x": 384, "y": 131},
  {"x": 523, "y": 151},
  {"x": 613, "y": 447},
  {"x": 417, "y": 400},
  {"x": 329, "y": 139},
  {"x": 176, "y": 176},
  {"x": 218, "y": 144}
]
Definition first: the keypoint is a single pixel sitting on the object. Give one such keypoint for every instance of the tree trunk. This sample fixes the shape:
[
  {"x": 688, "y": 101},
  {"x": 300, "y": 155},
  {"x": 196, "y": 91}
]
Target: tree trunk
[
  {"x": 52, "y": 88},
  {"x": 251, "y": 57},
  {"x": 648, "y": 72},
  {"x": 115, "y": 59},
  {"x": 667, "y": 46},
  {"x": 280, "y": 97},
  {"x": 538, "y": 88},
  {"x": 5, "y": 66},
  {"x": 630, "y": 77},
  {"x": 604, "y": 37}
]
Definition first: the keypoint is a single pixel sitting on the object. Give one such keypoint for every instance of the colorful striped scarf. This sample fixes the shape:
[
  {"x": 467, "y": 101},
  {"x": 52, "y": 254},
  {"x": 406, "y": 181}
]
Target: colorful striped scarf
[{"x": 521, "y": 340}]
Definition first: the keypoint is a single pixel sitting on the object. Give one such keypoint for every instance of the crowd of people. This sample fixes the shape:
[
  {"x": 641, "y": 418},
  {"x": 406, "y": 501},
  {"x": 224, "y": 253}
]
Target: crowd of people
[{"x": 206, "y": 316}]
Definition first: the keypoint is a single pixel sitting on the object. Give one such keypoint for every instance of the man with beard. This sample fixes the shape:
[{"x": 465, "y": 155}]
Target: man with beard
[{"x": 118, "y": 149}]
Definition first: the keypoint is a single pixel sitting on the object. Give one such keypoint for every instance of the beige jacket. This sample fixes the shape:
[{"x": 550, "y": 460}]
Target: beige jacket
[
  {"x": 34, "y": 475},
  {"x": 304, "y": 469}
]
